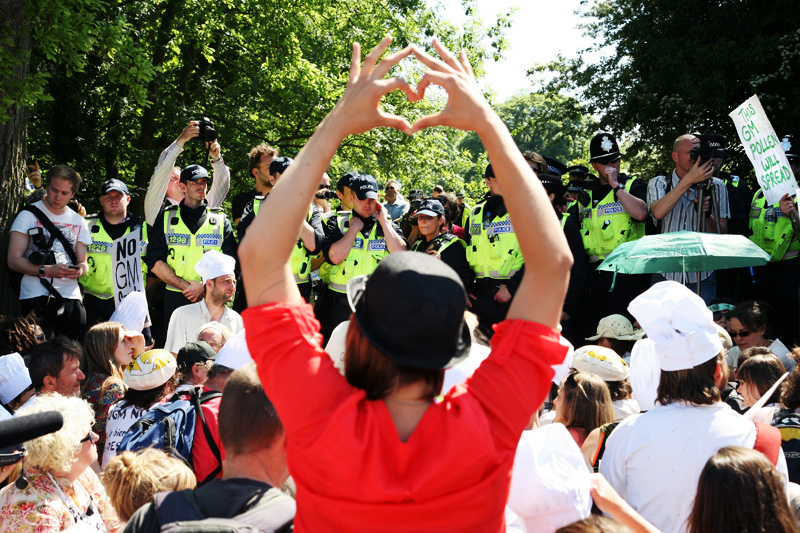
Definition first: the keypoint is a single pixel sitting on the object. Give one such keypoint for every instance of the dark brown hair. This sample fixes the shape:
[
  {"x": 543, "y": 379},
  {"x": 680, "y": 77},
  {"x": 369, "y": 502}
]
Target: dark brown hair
[
  {"x": 750, "y": 352},
  {"x": 144, "y": 399},
  {"x": 763, "y": 371},
  {"x": 619, "y": 390},
  {"x": 595, "y": 524},
  {"x": 790, "y": 390},
  {"x": 371, "y": 370},
  {"x": 587, "y": 402},
  {"x": 64, "y": 172},
  {"x": 754, "y": 315},
  {"x": 694, "y": 385},
  {"x": 18, "y": 333},
  {"x": 753, "y": 499},
  {"x": 47, "y": 359},
  {"x": 247, "y": 419}
]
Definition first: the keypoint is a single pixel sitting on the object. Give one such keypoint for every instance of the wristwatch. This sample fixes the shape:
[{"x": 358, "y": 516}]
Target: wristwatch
[
  {"x": 618, "y": 188},
  {"x": 41, "y": 270}
]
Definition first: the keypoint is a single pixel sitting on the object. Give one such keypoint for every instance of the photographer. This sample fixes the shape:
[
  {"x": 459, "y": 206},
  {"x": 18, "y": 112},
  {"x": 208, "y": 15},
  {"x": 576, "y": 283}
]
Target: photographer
[
  {"x": 673, "y": 203},
  {"x": 164, "y": 189},
  {"x": 51, "y": 271}
]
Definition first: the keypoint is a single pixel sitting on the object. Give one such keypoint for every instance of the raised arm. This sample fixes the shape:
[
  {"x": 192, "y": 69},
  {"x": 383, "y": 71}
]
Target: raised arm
[
  {"x": 548, "y": 259},
  {"x": 265, "y": 250},
  {"x": 159, "y": 182}
]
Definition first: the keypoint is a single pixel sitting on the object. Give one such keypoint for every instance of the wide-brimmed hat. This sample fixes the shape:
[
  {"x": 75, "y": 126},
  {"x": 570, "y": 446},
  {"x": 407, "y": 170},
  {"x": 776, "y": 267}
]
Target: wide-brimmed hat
[
  {"x": 616, "y": 327},
  {"x": 406, "y": 290},
  {"x": 601, "y": 361}
]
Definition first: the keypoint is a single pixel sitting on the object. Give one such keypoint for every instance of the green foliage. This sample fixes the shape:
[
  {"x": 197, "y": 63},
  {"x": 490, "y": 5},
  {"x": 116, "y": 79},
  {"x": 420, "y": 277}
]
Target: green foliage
[
  {"x": 669, "y": 67},
  {"x": 119, "y": 80}
]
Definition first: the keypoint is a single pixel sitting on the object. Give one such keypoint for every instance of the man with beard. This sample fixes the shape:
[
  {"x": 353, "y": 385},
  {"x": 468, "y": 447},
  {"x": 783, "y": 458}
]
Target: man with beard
[
  {"x": 360, "y": 240},
  {"x": 219, "y": 282}
]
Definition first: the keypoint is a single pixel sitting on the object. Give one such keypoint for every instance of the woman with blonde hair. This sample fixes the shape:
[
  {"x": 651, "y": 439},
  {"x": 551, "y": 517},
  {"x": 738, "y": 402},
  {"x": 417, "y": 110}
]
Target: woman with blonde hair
[
  {"x": 107, "y": 349},
  {"x": 133, "y": 479},
  {"x": 62, "y": 491}
]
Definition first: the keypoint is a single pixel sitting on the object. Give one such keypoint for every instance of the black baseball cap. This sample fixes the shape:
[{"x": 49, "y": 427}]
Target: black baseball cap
[
  {"x": 195, "y": 352},
  {"x": 431, "y": 207},
  {"x": 114, "y": 184},
  {"x": 280, "y": 164},
  {"x": 423, "y": 290},
  {"x": 604, "y": 149},
  {"x": 364, "y": 186},
  {"x": 194, "y": 173},
  {"x": 345, "y": 180},
  {"x": 790, "y": 146}
]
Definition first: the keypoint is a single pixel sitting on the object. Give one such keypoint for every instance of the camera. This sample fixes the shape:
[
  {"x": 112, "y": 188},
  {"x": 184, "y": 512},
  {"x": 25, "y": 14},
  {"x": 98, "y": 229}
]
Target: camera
[
  {"x": 44, "y": 255},
  {"x": 327, "y": 195},
  {"x": 207, "y": 132},
  {"x": 706, "y": 150}
]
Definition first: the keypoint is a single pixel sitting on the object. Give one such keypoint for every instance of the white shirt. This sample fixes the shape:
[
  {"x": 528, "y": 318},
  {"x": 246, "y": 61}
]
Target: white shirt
[
  {"x": 74, "y": 228},
  {"x": 186, "y": 320},
  {"x": 654, "y": 460},
  {"x": 625, "y": 408},
  {"x": 776, "y": 347},
  {"x": 121, "y": 416}
]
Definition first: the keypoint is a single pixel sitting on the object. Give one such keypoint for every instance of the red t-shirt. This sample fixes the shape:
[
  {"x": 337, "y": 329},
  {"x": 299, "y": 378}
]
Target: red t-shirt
[{"x": 351, "y": 470}]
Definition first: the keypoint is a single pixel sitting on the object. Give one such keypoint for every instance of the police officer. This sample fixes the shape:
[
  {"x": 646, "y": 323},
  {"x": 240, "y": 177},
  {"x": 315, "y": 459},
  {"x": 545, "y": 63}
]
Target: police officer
[
  {"x": 612, "y": 212},
  {"x": 436, "y": 240},
  {"x": 311, "y": 233},
  {"x": 182, "y": 235},
  {"x": 104, "y": 228},
  {"x": 773, "y": 230},
  {"x": 494, "y": 256},
  {"x": 359, "y": 241}
]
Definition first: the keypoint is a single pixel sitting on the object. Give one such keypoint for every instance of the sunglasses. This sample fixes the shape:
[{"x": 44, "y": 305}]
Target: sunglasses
[
  {"x": 86, "y": 438},
  {"x": 322, "y": 186},
  {"x": 743, "y": 333},
  {"x": 720, "y": 315}
]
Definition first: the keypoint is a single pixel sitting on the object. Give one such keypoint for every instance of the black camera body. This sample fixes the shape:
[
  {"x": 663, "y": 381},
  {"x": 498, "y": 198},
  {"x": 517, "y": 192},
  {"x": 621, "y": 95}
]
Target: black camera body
[
  {"x": 207, "y": 132},
  {"x": 44, "y": 254},
  {"x": 706, "y": 150},
  {"x": 327, "y": 195}
]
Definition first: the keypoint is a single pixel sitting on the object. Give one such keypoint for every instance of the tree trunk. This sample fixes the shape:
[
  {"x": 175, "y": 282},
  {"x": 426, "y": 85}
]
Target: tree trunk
[{"x": 13, "y": 140}]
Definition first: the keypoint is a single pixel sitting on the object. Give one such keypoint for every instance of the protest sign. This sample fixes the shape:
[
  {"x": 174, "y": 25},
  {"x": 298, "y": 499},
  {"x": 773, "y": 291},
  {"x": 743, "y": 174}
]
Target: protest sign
[
  {"x": 126, "y": 269},
  {"x": 764, "y": 150}
]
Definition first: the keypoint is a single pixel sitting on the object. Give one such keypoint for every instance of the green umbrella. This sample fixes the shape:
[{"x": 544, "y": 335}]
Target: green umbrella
[{"x": 684, "y": 251}]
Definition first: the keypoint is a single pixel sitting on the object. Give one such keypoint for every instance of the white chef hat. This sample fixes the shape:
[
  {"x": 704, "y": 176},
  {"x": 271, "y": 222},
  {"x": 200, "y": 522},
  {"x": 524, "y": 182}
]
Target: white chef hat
[
  {"x": 679, "y": 323},
  {"x": 645, "y": 374},
  {"x": 215, "y": 264},
  {"x": 14, "y": 377},
  {"x": 132, "y": 312},
  {"x": 561, "y": 370}
]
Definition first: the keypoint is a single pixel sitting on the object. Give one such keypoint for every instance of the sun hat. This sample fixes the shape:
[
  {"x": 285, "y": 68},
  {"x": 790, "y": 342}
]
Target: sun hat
[
  {"x": 616, "y": 327},
  {"x": 149, "y": 370}
]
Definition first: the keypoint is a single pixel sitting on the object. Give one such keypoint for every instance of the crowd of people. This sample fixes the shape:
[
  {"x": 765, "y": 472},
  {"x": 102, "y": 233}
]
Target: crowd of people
[{"x": 323, "y": 360}]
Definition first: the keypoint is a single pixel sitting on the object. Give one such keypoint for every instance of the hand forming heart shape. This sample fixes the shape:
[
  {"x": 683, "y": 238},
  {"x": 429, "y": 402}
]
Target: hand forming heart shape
[{"x": 359, "y": 110}]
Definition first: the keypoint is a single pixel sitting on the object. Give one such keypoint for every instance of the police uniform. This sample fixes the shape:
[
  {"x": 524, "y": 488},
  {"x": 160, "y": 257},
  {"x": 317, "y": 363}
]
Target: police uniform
[
  {"x": 778, "y": 281},
  {"x": 180, "y": 238},
  {"x": 97, "y": 284},
  {"x": 368, "y": 250},
  {"x": 452, "y": 251},
  {"x": 494, "y": 255}
]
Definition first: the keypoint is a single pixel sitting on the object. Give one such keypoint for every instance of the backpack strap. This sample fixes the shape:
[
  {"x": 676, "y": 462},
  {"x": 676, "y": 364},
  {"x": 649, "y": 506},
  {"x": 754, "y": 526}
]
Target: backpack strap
[
  {"x": 271, "y": 511},
  {"x": 177, "y": 507},
  {"x": 768, "y": 441}
]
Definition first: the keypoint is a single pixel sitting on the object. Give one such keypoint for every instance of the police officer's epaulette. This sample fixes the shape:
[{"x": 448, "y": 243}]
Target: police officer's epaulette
[
  {"x": 448, "y": 236},
  {"x": 259, "y": 197},
  {"x": 93, "y": 215},
  {"x": 623, "y": 179},
  {"x": 173, "y": 207},
  {"x": 216, "y": 210}
]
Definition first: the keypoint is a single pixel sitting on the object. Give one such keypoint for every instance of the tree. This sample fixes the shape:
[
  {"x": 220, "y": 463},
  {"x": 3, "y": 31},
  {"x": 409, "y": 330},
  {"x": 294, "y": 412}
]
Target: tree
[{"x": 669, "y": 67}]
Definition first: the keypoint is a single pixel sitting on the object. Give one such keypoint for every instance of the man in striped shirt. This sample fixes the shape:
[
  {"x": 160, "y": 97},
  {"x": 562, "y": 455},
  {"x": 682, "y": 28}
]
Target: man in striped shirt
[{"x": 672, "y": 201}]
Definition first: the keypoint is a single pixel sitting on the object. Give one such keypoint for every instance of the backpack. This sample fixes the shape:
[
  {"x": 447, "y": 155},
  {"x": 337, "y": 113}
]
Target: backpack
[
  {"x": 267, "y": 512},
  {"x": 171, "y": 426},
  {"x": 788, "y": 423}
]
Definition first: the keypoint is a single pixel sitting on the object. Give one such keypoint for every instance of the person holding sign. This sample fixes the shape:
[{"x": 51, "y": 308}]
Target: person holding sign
[
  {"x": 672, "y": 201},
  {"x": 106, "y": 227},
  {"x": 774, "y": 231}
]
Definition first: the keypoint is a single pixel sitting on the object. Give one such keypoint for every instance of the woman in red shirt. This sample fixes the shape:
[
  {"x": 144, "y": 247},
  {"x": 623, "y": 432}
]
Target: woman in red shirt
[{"x": 376, "y": 451}]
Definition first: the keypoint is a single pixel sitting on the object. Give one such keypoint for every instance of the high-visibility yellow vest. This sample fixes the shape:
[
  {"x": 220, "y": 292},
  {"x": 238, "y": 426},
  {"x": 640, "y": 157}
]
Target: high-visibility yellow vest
[
  {"x": 364, "y": 257},
  {"x": 772, "y": 230},
  {"x": 300, "y": 260},
  {"x": 98, "y": 280},
  {"x": 186, "y": 249},
  {"x": 607, "y": 225},
  {"x": 493, "y": 251}
]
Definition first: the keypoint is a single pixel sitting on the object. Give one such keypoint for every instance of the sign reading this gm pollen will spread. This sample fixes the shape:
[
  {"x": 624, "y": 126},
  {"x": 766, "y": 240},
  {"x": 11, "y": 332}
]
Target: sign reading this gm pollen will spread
[{"x": 764, "y": 150}]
